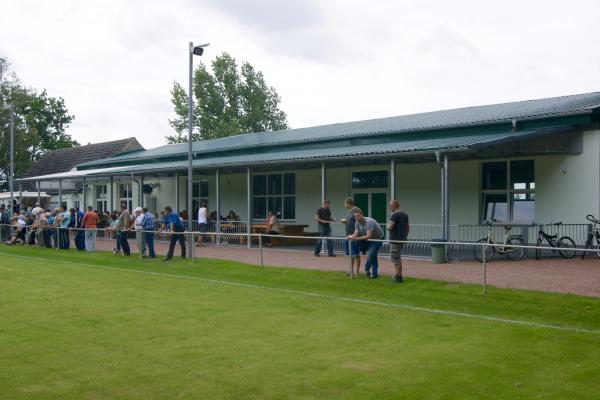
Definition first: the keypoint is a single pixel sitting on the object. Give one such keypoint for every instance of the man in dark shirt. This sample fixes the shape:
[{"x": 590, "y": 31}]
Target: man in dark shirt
[
  {"x": 173, "y": 223},
  {"x": 323, "y": 218},
  {"x": 398, "y": 227},
  {"x": 351, "y": 246}
]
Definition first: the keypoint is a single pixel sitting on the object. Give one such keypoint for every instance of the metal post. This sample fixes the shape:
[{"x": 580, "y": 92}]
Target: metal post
[
  {"x": 141, "y": 187},
  {"x": 60, "y": 194},
  {"x": 112, "y": 194},
  {"x": 484, "y": 269},
  {"x": 218, "y": 204},
  {"x": 39, "y": 200},
  {"x": 351, "y": 259},
  {"x": 11, "y": 178},
  {"x": 177, "y": 193},
  {"x": 446, "y": 201},
  {"x": 20, "y": 195},
  {"x": 392, "y": 179},
  {"x": 190, "y": 155},
  {"x": 84, "y": 195},
  {"x": 249, "y": 209},
  {"x": 323, "y": 183},
  {"x": 260, "y": 246}
]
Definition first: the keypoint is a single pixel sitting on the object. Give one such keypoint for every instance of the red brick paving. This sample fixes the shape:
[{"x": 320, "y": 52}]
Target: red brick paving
[{"x": 574, "y": 276}]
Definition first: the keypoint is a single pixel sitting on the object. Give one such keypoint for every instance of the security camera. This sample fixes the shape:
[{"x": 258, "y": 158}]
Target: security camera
[{"x": 198, "y": 51}]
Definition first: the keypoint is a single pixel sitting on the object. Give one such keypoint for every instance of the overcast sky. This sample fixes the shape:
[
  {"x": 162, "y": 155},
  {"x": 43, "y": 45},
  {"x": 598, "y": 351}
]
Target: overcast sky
[{"x": 114, "y": 62}]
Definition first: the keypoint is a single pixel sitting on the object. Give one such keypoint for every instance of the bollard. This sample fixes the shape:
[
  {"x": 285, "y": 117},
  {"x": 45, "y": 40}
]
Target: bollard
[
  {"x": 260, "y": 246},
  {"x": 484, "y": 270}
]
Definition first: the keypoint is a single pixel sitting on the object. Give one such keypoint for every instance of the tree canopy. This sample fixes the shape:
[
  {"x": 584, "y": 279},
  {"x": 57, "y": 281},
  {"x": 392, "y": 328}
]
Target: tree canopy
[
  {"x": 227, "y": 102},
  {"x": 40, "y": 123}
]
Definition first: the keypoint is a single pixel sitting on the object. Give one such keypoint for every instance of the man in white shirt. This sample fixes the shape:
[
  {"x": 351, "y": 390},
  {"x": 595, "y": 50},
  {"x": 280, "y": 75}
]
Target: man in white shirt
[
  {"x": 202, "y": 223},
  {"x": 139, "y": 227}
]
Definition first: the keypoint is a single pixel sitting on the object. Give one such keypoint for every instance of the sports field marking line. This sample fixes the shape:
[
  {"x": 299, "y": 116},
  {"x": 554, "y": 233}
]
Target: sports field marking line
[{"x": 327, "y": 296}]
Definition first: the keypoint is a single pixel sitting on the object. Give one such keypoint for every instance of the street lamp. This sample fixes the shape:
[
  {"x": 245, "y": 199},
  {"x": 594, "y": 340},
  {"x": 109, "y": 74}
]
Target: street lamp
[
  {"x": 11, "y": 173},
  {"x": 193, "y": 51}
]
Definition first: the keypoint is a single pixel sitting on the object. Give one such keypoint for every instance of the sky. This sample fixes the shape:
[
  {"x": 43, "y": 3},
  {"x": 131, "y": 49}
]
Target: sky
[{"x": 114, "y": 62}]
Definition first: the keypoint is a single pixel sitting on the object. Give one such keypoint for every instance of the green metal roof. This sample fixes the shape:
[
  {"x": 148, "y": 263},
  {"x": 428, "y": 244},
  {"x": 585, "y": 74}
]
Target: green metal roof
[{"x": 497, "y": 114}]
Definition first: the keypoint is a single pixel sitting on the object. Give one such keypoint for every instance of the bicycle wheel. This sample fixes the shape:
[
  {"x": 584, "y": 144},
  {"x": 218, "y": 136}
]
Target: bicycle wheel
[
  {"x": 588, "y": 245},
  {"x": 566, "y": 247},
  {"x": 479, "y": 254},
  {"x": 538, "y": 251},
  {"x": 516, "y": 253}
]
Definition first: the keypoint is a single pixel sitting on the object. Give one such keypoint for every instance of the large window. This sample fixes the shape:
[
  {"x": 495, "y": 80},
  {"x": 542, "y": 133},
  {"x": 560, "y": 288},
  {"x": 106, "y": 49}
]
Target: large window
[
  {"x": 199, "y": 195},
  {"x": 274, "y": 192},
  {"x": 126, "y": 195},
  {"x": 508, "y": 191},
  {"x": 101, "y": 198}
]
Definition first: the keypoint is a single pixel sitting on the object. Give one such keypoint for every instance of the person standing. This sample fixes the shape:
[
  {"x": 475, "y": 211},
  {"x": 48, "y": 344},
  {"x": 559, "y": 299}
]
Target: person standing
[
  {"x": 368, "y": 229},
  {"x": 272, "y": 228},
  {"x": 323, "y": 218},
  {"x": 122, "y": 229},
  {"x": 4, "y": 223},
  {"x": 351, "y": 246},
  {"x": 202, "y": 223},
  {"x": 89, "y": 222},
  {"x": 138, "y": 217},
  {"x": 173, "y": 223},
  {"x": 398, "y": 227},
  {"x": 76, "y": 217},
  {"x": 64, "y": 221},
  {"x": 148, "y": 234}
]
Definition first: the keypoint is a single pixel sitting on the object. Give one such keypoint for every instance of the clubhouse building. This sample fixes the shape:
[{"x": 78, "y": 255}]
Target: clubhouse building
[{"x": 519, "y": 162}]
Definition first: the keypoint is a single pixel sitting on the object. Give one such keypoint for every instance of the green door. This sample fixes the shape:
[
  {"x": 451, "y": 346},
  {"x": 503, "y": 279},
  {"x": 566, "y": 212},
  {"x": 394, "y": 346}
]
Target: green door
[
  {"x": 361, "y": 200},
  {"x": 372, "y": 204}
]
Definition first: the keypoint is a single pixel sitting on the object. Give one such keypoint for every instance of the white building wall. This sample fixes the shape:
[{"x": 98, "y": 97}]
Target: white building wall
[{"x": 567, "y": 186}]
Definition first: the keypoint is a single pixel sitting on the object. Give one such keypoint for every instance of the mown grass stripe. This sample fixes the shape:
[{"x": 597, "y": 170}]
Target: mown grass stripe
[{"x": 327, "y": 296}]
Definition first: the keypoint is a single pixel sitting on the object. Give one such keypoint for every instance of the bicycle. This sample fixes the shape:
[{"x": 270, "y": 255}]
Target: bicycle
[
  {"x": 514, "y": 253},
  {"x": 566, "y": 246},
  {"x": 593, "y": 234}
]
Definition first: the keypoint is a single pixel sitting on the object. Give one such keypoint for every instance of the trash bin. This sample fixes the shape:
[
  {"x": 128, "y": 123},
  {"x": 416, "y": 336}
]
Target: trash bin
[{"x": 438, "y": 251}]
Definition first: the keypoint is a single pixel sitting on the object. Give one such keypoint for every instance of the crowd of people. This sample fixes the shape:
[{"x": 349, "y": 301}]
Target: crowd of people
[{"x": 53, "y": 229}]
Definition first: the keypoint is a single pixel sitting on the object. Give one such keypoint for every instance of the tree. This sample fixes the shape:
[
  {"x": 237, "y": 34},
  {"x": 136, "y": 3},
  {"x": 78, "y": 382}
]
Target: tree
[
  {"x": 227, "y": 102},
  {"x": 40, "y": 123}
]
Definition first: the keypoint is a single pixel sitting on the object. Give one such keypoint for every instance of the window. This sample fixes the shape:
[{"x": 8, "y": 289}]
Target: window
[
  {"x": 101, "y": 198},
  {"x": 370, "y": 180},
  {"x": 199, "y": 194},
  {"x": 275, "y": 192},
  {"x": 508, "y": 191},
  {"x": 126, "y": 195},
  {"x": 77, "y": 205}
]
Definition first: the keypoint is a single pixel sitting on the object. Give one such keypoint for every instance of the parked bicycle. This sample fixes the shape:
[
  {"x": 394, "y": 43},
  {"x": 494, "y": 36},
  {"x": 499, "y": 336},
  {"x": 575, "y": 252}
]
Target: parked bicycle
[
  {"x": 593, "y": 238},
  {"x": 505, "y": 248},
  {"x": 565, "y": 245}
]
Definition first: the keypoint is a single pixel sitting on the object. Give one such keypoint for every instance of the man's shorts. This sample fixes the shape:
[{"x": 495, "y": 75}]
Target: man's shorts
[
  {"x": 396, "y": 252},
  {"x": 354, "y": 248},
  {"x": 202, "y": 227}
]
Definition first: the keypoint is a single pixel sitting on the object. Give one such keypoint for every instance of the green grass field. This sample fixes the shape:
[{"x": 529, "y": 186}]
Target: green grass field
[{"x": 81, "y": 326}]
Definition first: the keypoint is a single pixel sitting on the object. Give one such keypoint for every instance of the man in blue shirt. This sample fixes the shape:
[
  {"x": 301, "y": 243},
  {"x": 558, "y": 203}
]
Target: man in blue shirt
[
  {"x": 148, "y": 227},
  {"x": 63, "y": 229},
  {"x": 173, "y": 223}
]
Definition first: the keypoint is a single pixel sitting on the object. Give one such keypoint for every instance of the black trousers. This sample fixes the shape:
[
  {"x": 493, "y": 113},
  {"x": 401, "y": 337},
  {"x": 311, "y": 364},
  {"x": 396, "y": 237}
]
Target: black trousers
[
  {"x": 176, "y": 237},
  {"x": 124, "y": 243}
]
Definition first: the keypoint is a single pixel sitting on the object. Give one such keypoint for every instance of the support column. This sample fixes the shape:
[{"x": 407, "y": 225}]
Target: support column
[
  {"x": 218, "y": 203},
  {"x": 445, "y": 200},
  {"x": 323, "y": 183},
  {"x": 392, "y": 179},
  {"x": 142, "y": 191},
  {"x": 84, "y": 205},
  {"x": 249, "y": 208},
  {"x": 112, "y": 194},
  {"x": 176, "y": 193},
  {"x": 39, "y": 200},
  {"x": 60, "y": 194},
  {"x": 20, "y": 196}
]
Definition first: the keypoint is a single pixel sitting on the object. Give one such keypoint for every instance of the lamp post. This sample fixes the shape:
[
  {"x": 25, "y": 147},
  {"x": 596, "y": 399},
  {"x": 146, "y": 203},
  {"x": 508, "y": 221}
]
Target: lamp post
[
  {"x": 11, "y": 173},
  {"x": 198, "y": 51}
]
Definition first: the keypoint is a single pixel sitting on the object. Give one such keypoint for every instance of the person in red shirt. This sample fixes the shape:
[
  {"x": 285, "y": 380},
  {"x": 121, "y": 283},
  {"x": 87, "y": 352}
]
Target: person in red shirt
[{"x": 90, "y": 224}]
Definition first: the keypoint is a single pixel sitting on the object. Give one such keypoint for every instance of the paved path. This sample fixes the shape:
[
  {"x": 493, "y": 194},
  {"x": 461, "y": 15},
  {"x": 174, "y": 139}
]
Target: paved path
[{"x": 552, "y": 275}]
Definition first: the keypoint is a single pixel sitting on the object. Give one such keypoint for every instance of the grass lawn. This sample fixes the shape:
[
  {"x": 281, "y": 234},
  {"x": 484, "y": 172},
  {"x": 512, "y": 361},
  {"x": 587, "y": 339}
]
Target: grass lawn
[{"x": 81, "y": 326}]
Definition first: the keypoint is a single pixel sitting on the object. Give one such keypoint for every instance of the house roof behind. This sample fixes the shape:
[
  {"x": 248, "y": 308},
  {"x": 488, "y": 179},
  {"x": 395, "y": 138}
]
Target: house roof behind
[
  {"x": 64, "y": 160},
  {"x": 446, "y": 119}
]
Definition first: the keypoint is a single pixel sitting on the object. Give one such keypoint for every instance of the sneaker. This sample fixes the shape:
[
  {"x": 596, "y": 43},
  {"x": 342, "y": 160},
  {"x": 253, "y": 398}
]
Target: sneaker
[
  {"x": 317, "y": 255},
  {"x": 398, "y": 279},
  {"x": 166, "y": 258},
  {"x": 367, "y": 274},
  {"x": 373, "y": 276},
  {"x": 332, "y": 255}
]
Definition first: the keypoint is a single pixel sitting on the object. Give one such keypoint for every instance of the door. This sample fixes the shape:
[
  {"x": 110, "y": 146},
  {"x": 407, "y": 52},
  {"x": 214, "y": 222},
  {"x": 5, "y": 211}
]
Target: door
[{"x": 373, "y": 204}]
